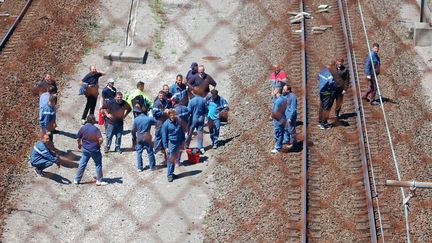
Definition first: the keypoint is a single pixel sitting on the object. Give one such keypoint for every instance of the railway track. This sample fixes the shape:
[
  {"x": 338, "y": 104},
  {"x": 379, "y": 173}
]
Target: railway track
[
  {"x": 335, "y": 197},
  {"x": 12, "y": 34}
]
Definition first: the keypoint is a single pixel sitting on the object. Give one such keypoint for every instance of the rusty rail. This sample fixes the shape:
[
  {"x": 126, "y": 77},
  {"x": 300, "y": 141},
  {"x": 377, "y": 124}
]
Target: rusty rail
[{"x": 11, "y": 29}]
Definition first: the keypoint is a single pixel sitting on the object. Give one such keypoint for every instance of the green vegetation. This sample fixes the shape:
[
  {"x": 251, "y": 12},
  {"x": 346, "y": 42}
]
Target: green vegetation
[{"x": 159, "y": 16}]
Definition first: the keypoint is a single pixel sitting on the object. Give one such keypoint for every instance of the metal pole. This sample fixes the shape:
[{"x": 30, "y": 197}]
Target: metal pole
[
  {"x": 409, "y": 184},
  {"x": 422, "y": 10}
]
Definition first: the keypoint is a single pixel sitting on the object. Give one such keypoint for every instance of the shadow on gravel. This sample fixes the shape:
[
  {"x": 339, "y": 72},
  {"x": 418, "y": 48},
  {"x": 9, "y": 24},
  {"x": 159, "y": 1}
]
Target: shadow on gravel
[
  {"x": 299, "y": 123},
  {"x": 57, "y": 178},
  {"x": 66, "y": 134},
  {"x": 338, "y": 123},
  {"x": 67, "y": 158},
  {"x": 225, "y": 141},
  {"x": 386, "y": 100},
  {"x": 115, "y": 180},
  {"x": 188, "y": 173},
  {"x": 348, "y": 115}
]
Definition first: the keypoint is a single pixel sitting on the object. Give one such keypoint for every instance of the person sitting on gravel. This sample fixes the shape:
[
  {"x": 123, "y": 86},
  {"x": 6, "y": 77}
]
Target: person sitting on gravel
[
  {"x": 198, "y": 109},
  {"x": 91, "y": 81},
  {"x": 279, "y": 119},
  {"x": 173, "y": 138},
  {"x": 278, "y": 79},
  {"x": 180, "y": 90},
  {"x": 291, "y": 117},
  {"x": 42, "y": 157},
  {"x": 216, "y": 105},
  {"x": 201, "y": 82},
  {"x": 116, "y": 111},
  {"x": 326, "y": 88},
  {"x": 89, "y": 141},
  {"x": 141, "y": 126}
]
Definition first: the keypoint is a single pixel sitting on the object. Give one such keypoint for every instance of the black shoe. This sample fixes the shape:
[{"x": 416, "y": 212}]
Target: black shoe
[
  {"x": 106, "y": 149},
  {"x": 118, "y": 150},
  {"x": 170, "y": 178}
]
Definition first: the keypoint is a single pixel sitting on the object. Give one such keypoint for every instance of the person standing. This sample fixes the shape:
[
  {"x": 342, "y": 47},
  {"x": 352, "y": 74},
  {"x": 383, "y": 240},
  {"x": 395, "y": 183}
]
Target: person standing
[
  {"x": 48, "y": 118},
  {"x": 201, "y": 82},
  {"x": 116, "y": 111},
  {"x": 279, "y": 119},
  {"x": 326, "y": 88},
  {"x": 180, "y": 90},
  {"x": 278, "y": 79},
  {"x": 42, "y": 157},
  {"x": 198, "y": 109},
  {"x": 182, "y": 113},
  {"x": 192, "y": 72},
  {"x": 216, "y": 105},
  {"x": 173, "y": 140},
  {"x": 139, "y": 103},
  {"x": 141, "y": 126},
  {"x": 109, "y": 92},
  {"x": 372, "y": 69},
  {"x": 160, "y": 107},
  {"x": 89, "y": 141},
  {"x": 291, "y": 117},
  {"x": 340, "y": 85},
  {"x": 91, "y": 81}
]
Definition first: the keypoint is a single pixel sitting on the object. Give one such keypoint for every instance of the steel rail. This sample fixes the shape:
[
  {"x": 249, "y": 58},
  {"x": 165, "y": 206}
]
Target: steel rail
[
  {"x": 360, "y": 129},
  {"x": 11, "y": 29},
  {"x": 305, "y": 160}
]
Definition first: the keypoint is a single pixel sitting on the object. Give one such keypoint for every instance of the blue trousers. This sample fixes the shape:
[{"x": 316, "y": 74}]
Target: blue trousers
[
  {"x": 174, "y": 154},
  {"x": 278, "y": 134},
  {"x": 141, "y": 145},
  {"x": 85, "y": 157},
  {"x": 111, "y": 130},
  {"x": 214, "y": 127},
  {"x": 41, "y": 165},
  {"x": 290, "y": 132},
  {"x": 197, "y": 124},
  {"x": 158, "y": 139}
]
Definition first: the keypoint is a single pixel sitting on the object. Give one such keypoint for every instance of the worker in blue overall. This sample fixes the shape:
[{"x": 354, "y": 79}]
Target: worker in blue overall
[
  {"x": 291, "y": 117},
  {"x": 279, "y": 119},
  {"x": 216, "y": 104},
  {"x": 173, "y": 138},
  {"x": 326, "y": 82},
  {"x": 197, "y": 107}
]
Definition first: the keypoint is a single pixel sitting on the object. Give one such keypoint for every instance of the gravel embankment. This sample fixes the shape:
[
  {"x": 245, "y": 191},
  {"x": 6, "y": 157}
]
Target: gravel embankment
[
  {"x": 247, "y": 180},
  {"x": 53, "y": 42}
]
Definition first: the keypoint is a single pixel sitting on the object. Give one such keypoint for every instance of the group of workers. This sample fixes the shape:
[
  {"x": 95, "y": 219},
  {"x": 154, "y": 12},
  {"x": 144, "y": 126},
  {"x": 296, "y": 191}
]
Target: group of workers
[
  {"x": 176, "y": 113},
  {"x": 333, "y": 81}
]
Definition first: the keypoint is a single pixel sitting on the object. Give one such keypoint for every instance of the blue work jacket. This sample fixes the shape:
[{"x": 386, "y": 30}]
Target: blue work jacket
[
  {"x": 197, "y": 107},
  {"x": 376, "y": 63},
  {"x": 172, "y": 132},
  {"x": 216, "y": 106},
  {"x": 325, "y": 82},
  {"x": 41, "y": 154},
  {"x": 291, "y": 110}
]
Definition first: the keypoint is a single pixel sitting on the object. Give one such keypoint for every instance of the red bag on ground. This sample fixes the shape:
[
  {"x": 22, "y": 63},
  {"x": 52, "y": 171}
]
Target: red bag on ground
[{"x": 101, "y": 117}]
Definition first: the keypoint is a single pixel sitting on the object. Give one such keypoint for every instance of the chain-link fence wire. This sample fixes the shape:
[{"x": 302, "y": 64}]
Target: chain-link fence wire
[{"x": 255, "y": 131}]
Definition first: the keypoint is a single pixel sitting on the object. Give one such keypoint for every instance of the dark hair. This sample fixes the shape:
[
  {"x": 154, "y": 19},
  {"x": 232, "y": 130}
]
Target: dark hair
[
  {"x": 179, "y": 75},
  {"x": 375, "y": 45},
  {"x": 91, "y": 119},
  {"x": 289, "y": 88},
  {"x": 214, "y": 92},
  {"x": 119, "y": 93},
  {"x": 139, "y": 84}
]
